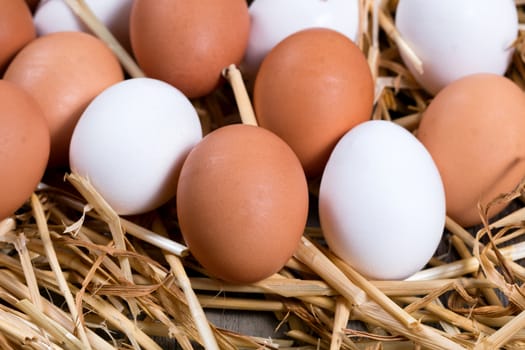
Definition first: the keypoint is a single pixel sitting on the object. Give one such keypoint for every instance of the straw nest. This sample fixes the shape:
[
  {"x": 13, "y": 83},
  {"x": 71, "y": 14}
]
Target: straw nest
[{"x": 74, "y": 275}]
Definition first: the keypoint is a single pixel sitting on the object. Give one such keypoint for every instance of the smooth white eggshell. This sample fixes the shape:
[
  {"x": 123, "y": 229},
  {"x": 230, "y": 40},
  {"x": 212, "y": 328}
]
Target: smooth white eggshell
[
  {"x": 273, "y": 20},
  {"x": 131, "y": 141},
  {"x": 382, "y": 201},
  {"x": 457, "y": 38},
  {"x": 56, "y": 16}
]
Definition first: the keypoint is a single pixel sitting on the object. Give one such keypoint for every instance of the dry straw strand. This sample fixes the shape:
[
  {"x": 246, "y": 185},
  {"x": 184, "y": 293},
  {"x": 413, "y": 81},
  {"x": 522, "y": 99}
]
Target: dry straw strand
[
  {"x": 55, "y": 266},
  {"x": 29, "y": 273},
  {"x": 62, "y": 335},
  {"x": 389, "y": 27},
  {"x": 196, "y": 310},
  {"x": 83, "y": 11},
  {"x": 341, "y": 317},
  {"x": 233, "y": 74},
  {"x": 113, "y": 220},
  {"x": 364, "y": 308}
]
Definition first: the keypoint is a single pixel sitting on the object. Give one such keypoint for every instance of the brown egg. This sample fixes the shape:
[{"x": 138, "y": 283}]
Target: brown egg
[
  {"x": 64, "y": 71},
  {"x": 16, "y": 29},
  {"x": 189, "y": 43},
  {"x": 24, "y": 147},
  {"x": 312, "y": 88},
  {"x": 474, "y": 131},
  {"x": 242, "y": 203}
]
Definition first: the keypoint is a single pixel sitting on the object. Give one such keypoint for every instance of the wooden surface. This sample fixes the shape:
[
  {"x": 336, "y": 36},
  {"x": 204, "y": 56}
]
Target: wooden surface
[{"x": 261, "y": 324}]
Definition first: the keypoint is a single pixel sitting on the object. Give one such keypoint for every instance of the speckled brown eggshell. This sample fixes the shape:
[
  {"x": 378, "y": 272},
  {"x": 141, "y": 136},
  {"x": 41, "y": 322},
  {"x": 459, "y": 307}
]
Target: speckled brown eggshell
[
  {"x": 312, "y": 88},
  {"x": 24, "y": 147},
  {"x": 242, "y": 203},
  {"x": 64, "y": 71},
  {"x": 189, "y": 43},
  {"x": 16, "y": 29},
  {"x": 474, "y": 131}
]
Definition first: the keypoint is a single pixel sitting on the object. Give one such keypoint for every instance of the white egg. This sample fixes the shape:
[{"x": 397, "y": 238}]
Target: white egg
[
  {"x": 131, "y": 141},
  {"x": 457, "y": 38},
  {"x": 273, "y": 20},
  {"x": 55, "y": 15},
  {"x": 382, "y": 201}
]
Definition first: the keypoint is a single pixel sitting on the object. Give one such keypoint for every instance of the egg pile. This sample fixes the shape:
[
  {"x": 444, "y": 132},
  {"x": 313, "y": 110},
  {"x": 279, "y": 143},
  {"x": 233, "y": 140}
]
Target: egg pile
[{"x": 244, "y": 194}]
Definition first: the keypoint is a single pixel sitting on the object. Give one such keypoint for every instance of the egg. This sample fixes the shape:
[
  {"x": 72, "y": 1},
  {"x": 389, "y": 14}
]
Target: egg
[
  {"x": 64, "y": 71},
  {"x": 382, "y": 201},
  {"x": 274, "y": 20},
  {"x": 17, "y": 29},
  {"x": 24, "y": 140},
  {"x": 131, "y": 141},
  {"x": 242, "y": 203},
  {"x": 474, "y": 130},
  {"x": 457, "y": 38},
  {"x": 55, "y": 15},
  {"x": 189, "y": 43},
  {"x": 312, "y": 88}
]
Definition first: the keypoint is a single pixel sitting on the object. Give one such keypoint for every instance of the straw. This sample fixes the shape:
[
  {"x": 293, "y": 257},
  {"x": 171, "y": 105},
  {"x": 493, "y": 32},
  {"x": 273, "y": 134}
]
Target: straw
[
  {"x": 341, "y": 317},
  {"x": 233, "y": 75},
  {"x": 504, "y": 334},
  {"x": 113, "y": 220},
  {"x": 62, "y": 335},
  {"x": 83, "y": 11},
  {"x": 400, "y": 322},
  {"x": 130, "y": 227},
  {"x": 55, "y": 266},
  {"x": 196, "y": 310},
  {"x": 7, "y": 225},
  {"x": 389, "y": 27}
]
